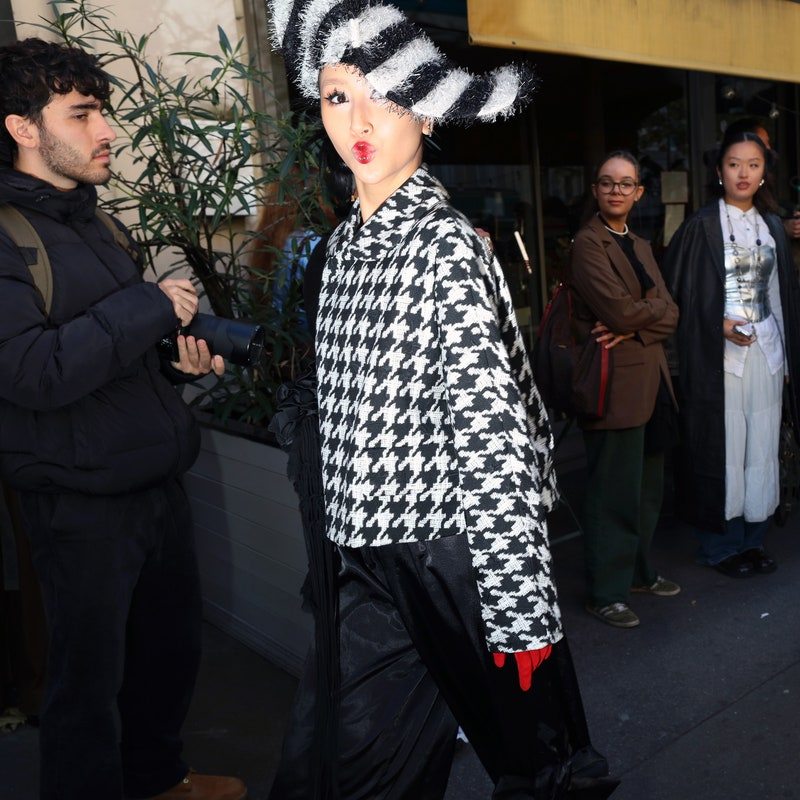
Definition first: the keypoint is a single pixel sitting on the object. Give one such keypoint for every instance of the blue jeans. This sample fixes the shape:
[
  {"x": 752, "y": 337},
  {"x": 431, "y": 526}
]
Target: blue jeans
[{"x": 739, "y": 536}]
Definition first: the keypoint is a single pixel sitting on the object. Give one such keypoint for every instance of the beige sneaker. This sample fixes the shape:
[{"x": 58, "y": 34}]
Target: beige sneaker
[
  {"x": 660, "y": 587},
  {"x": 617, "y": 614},
  {"x": 205, "y": 787}
]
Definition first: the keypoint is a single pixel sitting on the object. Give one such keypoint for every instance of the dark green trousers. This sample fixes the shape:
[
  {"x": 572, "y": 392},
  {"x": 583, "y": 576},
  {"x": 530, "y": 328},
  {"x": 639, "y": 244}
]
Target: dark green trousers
[{"x": 623, "y": 500}]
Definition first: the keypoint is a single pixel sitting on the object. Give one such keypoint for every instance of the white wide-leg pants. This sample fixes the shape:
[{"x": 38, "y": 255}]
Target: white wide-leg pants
[{"x": 752, "y": 430}]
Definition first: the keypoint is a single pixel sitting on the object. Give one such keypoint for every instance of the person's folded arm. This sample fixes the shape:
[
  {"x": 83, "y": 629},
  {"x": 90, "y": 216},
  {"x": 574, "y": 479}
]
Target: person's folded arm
[{"x": 664, "y": 327}]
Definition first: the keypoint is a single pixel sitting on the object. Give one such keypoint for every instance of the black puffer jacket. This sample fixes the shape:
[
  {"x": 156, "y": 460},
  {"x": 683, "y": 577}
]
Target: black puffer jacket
[{"x": 83, "y": 403}]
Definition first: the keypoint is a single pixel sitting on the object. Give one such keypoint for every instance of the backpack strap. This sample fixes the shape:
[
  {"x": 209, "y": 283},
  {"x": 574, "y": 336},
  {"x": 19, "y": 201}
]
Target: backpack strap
[
  {"x": 120, "y": 236},
  {"x": 24, "y": 236},
  {"x": 30, "y": 245}
]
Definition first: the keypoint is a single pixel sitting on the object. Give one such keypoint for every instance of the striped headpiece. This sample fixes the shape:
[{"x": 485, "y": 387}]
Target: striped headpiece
[{"x": 396, "y": 58}]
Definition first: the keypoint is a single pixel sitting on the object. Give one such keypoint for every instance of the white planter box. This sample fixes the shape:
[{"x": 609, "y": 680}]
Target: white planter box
[{"x": 250, "y": 546}]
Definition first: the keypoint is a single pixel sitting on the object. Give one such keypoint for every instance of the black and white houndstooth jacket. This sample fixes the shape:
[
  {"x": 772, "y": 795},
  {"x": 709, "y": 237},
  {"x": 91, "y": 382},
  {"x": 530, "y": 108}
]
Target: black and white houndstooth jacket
[{"x": 430, "y": 422}]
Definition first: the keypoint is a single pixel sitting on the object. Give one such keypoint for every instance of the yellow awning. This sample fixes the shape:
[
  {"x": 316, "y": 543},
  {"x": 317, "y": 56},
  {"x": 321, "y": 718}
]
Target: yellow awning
[{"x": 756, "y": 38}]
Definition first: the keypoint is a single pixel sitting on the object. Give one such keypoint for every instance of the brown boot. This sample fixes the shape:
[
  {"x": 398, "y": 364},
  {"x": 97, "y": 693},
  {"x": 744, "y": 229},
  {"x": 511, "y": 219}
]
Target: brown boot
[{"x": 205, "y": 787}]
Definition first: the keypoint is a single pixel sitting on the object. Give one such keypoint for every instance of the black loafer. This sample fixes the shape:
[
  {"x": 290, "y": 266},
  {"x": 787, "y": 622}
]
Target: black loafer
[
  {"x": 736, "y": 567},
  {"x": 761, "y": 560}
]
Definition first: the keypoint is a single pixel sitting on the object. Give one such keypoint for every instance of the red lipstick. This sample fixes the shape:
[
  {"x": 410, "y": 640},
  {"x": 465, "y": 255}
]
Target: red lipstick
[{"x": 363, "y": 152}]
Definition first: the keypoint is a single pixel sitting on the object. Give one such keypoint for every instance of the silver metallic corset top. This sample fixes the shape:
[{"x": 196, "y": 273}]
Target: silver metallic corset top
[{"x": 747, "y": 272}]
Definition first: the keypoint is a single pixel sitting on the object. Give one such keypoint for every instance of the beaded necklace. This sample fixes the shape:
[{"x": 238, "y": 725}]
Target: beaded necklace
[{"x": 733, "y": 238}]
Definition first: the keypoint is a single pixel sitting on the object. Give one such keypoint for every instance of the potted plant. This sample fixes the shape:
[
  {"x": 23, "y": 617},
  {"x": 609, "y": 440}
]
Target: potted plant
[{"x": 202, "y": 159}]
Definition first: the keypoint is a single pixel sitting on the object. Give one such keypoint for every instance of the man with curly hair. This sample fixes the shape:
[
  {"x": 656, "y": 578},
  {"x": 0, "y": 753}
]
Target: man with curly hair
[{"x": 94, "y": 439}]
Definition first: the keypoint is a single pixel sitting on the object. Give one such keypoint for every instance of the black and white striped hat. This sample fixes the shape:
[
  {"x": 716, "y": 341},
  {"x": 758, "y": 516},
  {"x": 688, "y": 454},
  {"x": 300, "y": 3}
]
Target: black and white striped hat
[{"x": 397, "y": 59}]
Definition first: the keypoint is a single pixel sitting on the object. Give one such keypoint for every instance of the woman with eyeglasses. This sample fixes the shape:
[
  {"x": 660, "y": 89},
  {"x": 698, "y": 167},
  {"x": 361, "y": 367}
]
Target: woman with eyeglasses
[
  {"x": 730, "y": 269},
  {"x": 620, "y": 299}
]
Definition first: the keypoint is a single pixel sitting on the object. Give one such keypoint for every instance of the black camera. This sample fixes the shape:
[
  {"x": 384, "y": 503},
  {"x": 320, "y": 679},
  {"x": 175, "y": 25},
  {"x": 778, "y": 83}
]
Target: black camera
[{"x": 239, "y": 342}]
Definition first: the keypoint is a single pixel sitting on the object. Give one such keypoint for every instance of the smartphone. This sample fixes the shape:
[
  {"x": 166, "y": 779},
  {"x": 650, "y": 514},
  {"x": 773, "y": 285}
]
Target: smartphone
[{"x": 744, "y": 331}]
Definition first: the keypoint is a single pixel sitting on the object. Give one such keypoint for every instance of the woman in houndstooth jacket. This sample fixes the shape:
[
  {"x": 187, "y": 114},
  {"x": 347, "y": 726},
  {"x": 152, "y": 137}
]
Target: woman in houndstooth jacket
[{"x": 436, "y": 466}]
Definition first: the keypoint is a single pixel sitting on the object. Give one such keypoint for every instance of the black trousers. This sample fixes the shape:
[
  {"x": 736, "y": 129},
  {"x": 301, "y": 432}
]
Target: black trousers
[
  {"x": 25, "y": 628},
  {"x": 413, "y": 661},
  {"x": 624, "y": 490},
  {"x": 122, "y": 596}
]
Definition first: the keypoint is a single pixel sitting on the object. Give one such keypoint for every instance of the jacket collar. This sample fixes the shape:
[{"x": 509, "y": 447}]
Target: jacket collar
[
  {"x": 775, "y": 226},
  {"x": 26, "y": 191},
  {"x": 618, "y": 258},
  {"x": 383, "y": 233},
  {"x": 713, "y": 230}
]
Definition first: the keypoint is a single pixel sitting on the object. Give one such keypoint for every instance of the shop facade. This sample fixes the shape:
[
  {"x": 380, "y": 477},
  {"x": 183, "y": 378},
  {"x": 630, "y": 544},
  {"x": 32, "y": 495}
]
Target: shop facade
[{"x": 662, "y": 79}]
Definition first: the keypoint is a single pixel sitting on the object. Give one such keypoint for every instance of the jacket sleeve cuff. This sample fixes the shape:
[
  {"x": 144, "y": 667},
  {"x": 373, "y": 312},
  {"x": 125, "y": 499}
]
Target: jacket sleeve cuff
[
  {"x": 519, "y": 604},
  {"x": 136, "y": 318}
]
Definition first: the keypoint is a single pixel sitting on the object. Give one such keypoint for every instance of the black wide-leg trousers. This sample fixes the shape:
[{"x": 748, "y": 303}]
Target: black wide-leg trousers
[
  {"x": 122, "y": 595},
  {"x": 414, "y": 665}
]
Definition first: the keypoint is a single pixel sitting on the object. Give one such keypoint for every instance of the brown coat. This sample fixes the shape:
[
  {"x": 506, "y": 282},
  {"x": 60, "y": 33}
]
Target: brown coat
[{"x": 606, "y": 288}]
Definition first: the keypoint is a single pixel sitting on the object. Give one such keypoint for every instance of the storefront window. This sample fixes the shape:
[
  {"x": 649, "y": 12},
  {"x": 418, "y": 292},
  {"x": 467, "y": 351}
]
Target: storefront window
[
  {"x": 589, "y": 107},
  {"x": 663, "y": 151}
]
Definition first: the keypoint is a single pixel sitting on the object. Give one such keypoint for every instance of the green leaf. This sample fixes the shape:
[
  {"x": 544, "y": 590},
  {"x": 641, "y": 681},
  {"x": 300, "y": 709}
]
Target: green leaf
[
  {"x": 151, "y": 73},
  {"x": 224, "y": 42}
]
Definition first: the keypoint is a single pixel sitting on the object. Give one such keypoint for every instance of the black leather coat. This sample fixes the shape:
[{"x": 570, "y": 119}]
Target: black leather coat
[{"x": 694, "y": 273}]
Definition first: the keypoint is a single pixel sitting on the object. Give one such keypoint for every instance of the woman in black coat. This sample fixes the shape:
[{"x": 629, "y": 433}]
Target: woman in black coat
[{"x": 730, "y": 271}]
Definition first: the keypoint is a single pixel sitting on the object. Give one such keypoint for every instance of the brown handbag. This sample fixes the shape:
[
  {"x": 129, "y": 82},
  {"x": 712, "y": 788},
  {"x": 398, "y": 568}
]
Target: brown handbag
[{"x": 573, "y": 378}]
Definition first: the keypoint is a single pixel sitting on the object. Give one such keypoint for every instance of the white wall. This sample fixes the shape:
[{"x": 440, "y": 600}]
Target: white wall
[{"x": 182, "y": 24}]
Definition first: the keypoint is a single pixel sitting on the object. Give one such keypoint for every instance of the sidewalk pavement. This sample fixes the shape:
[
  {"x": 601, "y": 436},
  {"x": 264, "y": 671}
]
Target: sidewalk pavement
[{"x": 700, "y": 702}]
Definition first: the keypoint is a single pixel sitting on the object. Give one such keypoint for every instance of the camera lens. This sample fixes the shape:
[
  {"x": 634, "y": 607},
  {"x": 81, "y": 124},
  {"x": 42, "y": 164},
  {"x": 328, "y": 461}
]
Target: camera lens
[{"x": 239, "y": 342}]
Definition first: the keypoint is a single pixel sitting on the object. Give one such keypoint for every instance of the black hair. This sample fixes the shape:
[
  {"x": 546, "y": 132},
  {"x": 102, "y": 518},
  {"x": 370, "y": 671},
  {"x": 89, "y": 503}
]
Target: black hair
[
  {"x": 764, "y": 200},
  {"x": 32, "y": 71},
  {"x": 625, "y": 155},
  {"x": 746, "y": 125},
  {"x": 338, "y": 182}
]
